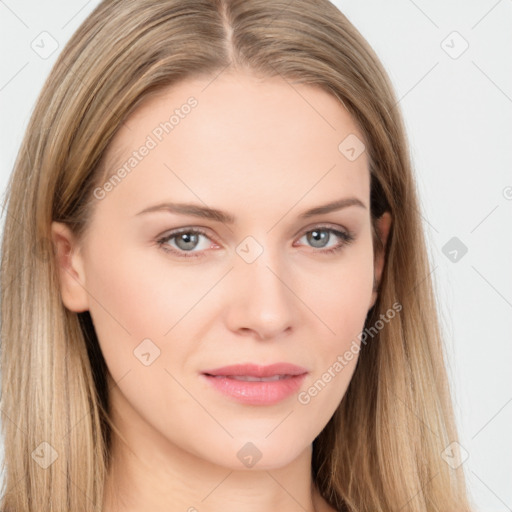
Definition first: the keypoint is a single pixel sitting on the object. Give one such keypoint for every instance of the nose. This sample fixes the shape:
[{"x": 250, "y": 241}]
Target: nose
[{"x": 260, "y": 301}]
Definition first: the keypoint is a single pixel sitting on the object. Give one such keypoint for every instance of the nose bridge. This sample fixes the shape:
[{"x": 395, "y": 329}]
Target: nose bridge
[
  {"x": 261, "y": 264},
  {"x": 263, "y": 301}
]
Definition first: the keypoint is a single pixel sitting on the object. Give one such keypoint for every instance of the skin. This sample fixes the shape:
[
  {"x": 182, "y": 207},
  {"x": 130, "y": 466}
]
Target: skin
[{"x": 263, "y": 151}]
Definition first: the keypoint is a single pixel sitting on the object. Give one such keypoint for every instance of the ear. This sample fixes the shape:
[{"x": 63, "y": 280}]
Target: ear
[
  {"x": 70, "y": 268},
  {"x": 383, "y": 225}
]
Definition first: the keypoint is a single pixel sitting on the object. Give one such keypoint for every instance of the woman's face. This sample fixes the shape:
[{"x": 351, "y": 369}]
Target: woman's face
[{"x": 252, "y": 279}]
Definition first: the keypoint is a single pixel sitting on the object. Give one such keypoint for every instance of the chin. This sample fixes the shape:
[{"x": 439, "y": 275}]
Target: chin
[{"x": 258, "y": 454}]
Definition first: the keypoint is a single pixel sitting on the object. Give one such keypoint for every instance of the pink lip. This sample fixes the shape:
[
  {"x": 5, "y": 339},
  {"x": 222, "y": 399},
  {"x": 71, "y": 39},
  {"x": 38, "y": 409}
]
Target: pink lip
[
  {"x": 254, "y": 392},
  {"x": 255, "y": 370}
]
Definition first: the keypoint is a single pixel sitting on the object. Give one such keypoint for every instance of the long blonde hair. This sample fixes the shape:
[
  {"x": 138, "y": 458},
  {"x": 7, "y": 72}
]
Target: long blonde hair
[{"x": 382, "y": 449}]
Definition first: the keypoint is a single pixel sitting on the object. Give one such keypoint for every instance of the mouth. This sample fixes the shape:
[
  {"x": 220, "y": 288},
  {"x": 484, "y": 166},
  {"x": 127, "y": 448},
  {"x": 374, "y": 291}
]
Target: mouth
[
  {"x": 251, "y": 378},
  {"x": 258, "y": 371},
  {"x": 257, "y": 385}
]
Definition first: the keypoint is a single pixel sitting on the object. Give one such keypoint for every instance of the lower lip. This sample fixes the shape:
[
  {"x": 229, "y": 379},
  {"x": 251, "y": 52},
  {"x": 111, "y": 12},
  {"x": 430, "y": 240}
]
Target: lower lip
[{"x": 257, "y": 392}]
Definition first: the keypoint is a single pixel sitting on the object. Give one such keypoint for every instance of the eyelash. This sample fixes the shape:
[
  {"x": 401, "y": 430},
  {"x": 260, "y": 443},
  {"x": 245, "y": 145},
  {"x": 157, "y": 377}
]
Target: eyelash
[{"x": 347, "y": 238}]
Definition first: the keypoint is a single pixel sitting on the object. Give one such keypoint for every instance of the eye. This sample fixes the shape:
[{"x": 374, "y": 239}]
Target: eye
[
  {"x": 321, "y": 235},
  {"x": 186, "y": 240}
]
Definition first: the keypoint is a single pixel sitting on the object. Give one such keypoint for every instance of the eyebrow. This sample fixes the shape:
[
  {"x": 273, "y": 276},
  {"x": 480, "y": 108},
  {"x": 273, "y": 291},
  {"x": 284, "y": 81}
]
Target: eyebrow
[{"x": 218, "y": 215}]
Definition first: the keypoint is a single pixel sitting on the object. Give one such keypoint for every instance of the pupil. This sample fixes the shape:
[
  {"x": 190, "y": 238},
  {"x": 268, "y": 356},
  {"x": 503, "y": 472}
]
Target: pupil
[
  {"x": 189, "y": 240},
  {"x": 319, "y": 236}
]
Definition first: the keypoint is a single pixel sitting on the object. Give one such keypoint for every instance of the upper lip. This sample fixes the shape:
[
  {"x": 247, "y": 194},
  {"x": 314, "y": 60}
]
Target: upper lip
[{"x": 255, "y": 370}]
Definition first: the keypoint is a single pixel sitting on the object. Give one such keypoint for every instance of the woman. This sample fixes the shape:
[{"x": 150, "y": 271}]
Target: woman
[{"x": 227, "y": 304}]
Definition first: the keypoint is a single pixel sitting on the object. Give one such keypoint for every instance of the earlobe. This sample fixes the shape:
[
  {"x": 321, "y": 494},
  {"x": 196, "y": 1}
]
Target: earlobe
[
  {"x": 70, "y": 268},
  {"x": 383, "y": 226}
]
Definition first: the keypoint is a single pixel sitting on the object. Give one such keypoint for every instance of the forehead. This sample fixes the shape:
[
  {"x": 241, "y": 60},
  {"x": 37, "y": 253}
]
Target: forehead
[{"x": 237, "y": 134}]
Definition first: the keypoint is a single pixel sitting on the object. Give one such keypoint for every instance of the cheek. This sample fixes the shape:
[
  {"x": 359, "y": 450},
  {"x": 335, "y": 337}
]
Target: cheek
[
  {"x": 341, "y": 295},
  {"x": 340, "y": 299},
  {"x": 138, "y": 296},
  {"x": 121, "y": 304},
  {"x": 344, "y": 309},
  {"x": 144, "y": 307}
]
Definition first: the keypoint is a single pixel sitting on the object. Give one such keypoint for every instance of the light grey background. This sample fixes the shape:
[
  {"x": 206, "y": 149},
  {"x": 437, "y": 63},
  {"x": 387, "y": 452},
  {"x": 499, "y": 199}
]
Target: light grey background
[{"x": 458, "y": 111}]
